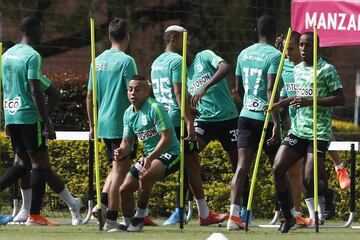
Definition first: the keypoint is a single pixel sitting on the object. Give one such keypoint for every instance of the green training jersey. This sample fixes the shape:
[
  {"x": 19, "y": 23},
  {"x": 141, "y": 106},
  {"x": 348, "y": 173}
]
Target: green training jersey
[
  {"x": 253, "y": 65},
  {"x": 327, "y": 82},
  {"x": 147, "y": 123},
  {"x": 288, "y": 90},
  {"x": 20, "y": 64},
  {"x": 217, "y": 104},
  {"x": 114, "y": 69},
  {"x": 165, "y": 71}
]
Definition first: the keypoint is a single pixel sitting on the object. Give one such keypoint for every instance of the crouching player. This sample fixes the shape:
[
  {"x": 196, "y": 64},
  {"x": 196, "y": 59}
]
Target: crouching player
[
  {"x": 299, "y": 141},
  {"x": 149, "y": 121}
]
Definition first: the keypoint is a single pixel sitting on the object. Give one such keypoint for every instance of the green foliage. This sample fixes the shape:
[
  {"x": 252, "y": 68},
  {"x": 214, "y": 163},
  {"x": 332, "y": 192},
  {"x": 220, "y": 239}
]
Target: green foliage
[{"x": 70, "y": 160}]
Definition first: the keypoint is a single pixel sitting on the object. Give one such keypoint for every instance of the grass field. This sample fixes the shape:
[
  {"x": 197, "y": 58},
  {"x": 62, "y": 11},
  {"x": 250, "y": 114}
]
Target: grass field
[{"x": 192, "y": 231}]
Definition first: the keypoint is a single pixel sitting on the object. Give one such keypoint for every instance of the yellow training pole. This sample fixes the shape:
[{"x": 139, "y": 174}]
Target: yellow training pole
[
  {"x": 182, "y": 129},
  {"x": 263, "y": 134},
  {"x": 316, "y": 190},
  {"x": 96, "y": 146}
]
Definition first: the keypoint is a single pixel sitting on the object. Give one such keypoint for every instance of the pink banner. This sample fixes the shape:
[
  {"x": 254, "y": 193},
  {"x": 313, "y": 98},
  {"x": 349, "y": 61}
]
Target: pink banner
[{"x": 338, "y": 22}]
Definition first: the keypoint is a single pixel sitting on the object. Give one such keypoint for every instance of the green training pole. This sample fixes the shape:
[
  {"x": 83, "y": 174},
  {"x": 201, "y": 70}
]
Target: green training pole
[
  {"x": 263, "y": 134},
  {"x": 316, "y": 187},
  {"x": 96, "y": 145},
  {"x": 182, "y": 130}
]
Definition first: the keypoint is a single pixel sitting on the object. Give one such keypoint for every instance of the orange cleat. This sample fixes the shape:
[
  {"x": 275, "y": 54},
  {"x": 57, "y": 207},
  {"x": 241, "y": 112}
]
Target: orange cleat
[
  {"x": 301, "y": 221},
  {"x": 39, "y": 220},
  {"x": 213, "y": 218},
  {"x": 149, "y": 222},
  {"x": 235, "y": 223},
  {"x": 343, "y": 178}
]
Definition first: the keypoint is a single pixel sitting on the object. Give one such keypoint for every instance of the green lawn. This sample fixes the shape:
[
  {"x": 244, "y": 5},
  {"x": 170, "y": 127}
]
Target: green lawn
[{"x": 192, "y": 231}]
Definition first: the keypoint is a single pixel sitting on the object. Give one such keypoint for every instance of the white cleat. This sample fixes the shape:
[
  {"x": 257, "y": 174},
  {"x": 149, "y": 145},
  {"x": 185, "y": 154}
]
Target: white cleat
[
  {"x": 21, "y": 217},
  {"x": 113, "y": 226},
  {"x": 137, "y": 224},
  {"x": 75, "y": 212}
]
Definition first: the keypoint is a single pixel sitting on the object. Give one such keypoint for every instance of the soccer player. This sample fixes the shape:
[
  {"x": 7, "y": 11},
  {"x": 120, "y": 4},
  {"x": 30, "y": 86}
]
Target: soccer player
[
  {"x": 255, "y": 76},
  {"x": 299, "y": 141},
  {"x": 294, "y": 58},
  {"x": 166, "y": 85},
  {"x": 216, "y": 109},
  {"x": 114, "y": 69},
  {"x": 28, "y": 124},
  {"x": 149, "y": 121}
]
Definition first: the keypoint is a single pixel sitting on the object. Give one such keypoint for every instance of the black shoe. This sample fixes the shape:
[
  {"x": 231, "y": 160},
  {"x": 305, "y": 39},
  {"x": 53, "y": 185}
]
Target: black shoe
[
  {"x": 286, "y": 224},
  {"x": 330, "y": 206},
  {"x": 136, "y": 225}
]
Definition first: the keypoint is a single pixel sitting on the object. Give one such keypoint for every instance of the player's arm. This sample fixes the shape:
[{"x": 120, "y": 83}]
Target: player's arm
[
  {"x": 39, "y": 101},
  {"x": 335, "y": 99},
  {"x": 188, "y": 118},
  {"x": 90, "y": 114},
  {"x": 124, "y": 150},
  {"x": 275, "y": 115},
  {"x": 239, "y": 87},
  {"x": 222, "y": 70},
  {"x": 54, "y": 98}
]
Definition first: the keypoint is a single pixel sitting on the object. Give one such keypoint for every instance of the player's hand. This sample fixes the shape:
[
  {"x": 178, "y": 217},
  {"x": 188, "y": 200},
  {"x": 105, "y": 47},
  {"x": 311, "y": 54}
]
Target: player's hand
[
  {"x": 7, "y": 131},
  {"x": 275, "y": 138},
  {"x": 118, "y": 154},
  {"x": 49, "y": 132},
  {"x": 191, "y": 133},
  {"x": 194, "y": 112},
  {"x": 275, "y": 108},
  {"x": 146, "y": 166},
  {"x": 91, "y": 134},
  {"x": 197, "y": 97},
  {"x": 301, "y": 102}
]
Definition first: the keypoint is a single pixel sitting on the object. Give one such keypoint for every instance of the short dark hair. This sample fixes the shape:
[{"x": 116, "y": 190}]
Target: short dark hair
[
  {"x": 118, "y": 29},
  {"x": 279, "y": 42},
  {"x": 29, "y": 25},
  {"x": 171, "y": 34},
  {"x": 266, "y": 26},
  {"x": 138, "y": 77},
  {"x": 311, "y": 34}
]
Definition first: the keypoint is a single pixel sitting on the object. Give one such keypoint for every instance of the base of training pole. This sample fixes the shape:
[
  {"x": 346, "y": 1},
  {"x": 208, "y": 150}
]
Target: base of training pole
[{"x": 89, "y": 212}]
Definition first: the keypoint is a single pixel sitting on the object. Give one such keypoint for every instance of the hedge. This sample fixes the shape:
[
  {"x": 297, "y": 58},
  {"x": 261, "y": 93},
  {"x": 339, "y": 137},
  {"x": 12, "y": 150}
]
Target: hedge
[{"x": 69, "y": 159}]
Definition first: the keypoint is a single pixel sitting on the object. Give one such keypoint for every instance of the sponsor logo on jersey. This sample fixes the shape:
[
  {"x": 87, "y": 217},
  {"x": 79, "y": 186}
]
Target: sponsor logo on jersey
[
  {"x": 304, "y": 92},
  {"x": 100, "y": 67},
  {"x": 290, "y": 87},
  {"x": 253, "y": 105},
  {"x": 253, "y": 58},
  {"x": 199, "y": 83},
  {"x": 146, "y": 134},
  {"x": 199, "y": 67},
  {"x": 12, "y": 105},
  {"x": 144, "y": 120},
  {"x": 158, "y": 67}
]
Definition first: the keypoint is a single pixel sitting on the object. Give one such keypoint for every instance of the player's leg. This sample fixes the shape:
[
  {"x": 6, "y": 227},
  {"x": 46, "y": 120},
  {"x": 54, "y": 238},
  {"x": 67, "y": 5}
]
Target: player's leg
[
  {"x": 246, "y": 142},
  {"x": 308, "y": 180},
  {"x": 297, "y": 188},
  {"x": 341, "y": 173},
  {"x": 127, "y": 200},
  {"x": 156, "y": 172},
  {"x": 26, "y": 193},
  {"x": 289, "y": 154},
  {"x": 204, "y": 133},
  {"x": 118, "y": 174}
]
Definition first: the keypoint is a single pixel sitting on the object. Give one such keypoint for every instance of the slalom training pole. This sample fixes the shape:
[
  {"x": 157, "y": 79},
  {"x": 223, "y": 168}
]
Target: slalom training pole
[
  {"x": 96, "y": 143},
  {"x": 182, "y": 130},
  {"x": 263, "y": 134},
  {"x": 316, "y": 187}
]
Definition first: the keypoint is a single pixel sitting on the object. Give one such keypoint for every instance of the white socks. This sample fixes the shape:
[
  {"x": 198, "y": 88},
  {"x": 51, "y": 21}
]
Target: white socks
[
  {"x": 140, "y": 212},
  {"x": 234, "y": 210},
  {"x": 26, "y": 199},
  {"x": 202, "y": 208},
  {"x": 311, "y": 205},
  {"x": 66, "y": 196},
  {"x": 293, "y": 212}
]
